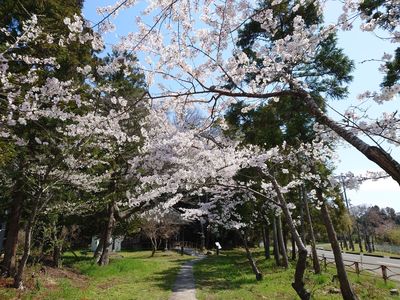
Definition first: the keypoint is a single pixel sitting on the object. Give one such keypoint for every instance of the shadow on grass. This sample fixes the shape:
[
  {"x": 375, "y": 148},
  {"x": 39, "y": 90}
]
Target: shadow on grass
[
  {"x": 166, "y": 279},
  {"x": 69, "y": 259},
  {"x": 224, "y": 272},
  {"x": 126, "y": 264}
]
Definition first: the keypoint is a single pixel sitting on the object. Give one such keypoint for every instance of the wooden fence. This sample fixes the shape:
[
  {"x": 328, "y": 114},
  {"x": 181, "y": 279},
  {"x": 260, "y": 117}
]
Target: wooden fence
[{"x": 368, "y": 268}]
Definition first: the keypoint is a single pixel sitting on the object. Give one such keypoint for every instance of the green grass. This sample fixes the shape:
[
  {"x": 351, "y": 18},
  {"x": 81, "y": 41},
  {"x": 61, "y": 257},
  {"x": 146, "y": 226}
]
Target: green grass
[
  {"x": 229, "y": 277},
  {"x": 328, "y": 246},
  {"x": 135, "y": 276}
]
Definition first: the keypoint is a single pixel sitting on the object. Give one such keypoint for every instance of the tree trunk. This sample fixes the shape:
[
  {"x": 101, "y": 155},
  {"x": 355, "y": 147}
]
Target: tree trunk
[
  {"x": 58, "y": 246},
  {"x": 366, "y": 244},
  {"x": 18, "y": 278},
  {"x": 107, "y": 239},
  {"x": 293, "y": 248},
  {"x": 298, "y": 284},
  {"x": 154, "y": 246},
  {"x": 285, "y": 237},
  {"x": 302, "y": 221},
  {"x": 345, "y": 287},
  {"x": 373, "y": 153},
  {"x": 345, "y": 242},
  {"x": 12, "y": 229},
  {"x": 373, "y": 243},
  {"x": 265, "y": 236},
  {"x": 351, "y": 239},
  {"x": 250, "y": 258},
  {"x": 282, "y": 248},
  {"x": 359, "y": 237},
  {"x": 99, "y": 249},
  {"x": 276, "y": 246},
  {"x": 316, "y": 265},
  {"x": 368, "y": 241}
]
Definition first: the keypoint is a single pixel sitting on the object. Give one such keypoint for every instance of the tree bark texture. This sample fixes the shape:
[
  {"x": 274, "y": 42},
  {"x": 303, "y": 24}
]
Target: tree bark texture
[
  {"x": 276, "y": 246},
  {"x": 316, "y": 265},
  {"x": 250, "y": 258},
  {"x": 58, "y": 246},
  {"x": 351, "y": 240},
  {"x": 359, "y": 237},
  {"x": 373, "y": 153},
  {"x": 12, "y": 229},
  {"x": 18, "y": 278},
  {"x": 298, "y": 284},
  {"x": 265, "y": 233},
  {"x": 99, "y": 249},
  {"x": 107, "y": 241},
  {"x": 345, "y": 287},
  {"x": 293, "y": 248},
  {"x": 282, "y": 248}
]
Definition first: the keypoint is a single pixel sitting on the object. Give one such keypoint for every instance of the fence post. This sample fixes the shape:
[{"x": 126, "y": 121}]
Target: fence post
[
  {"x": 384, "y": 273},
  {"x": 357, "y": 267}
]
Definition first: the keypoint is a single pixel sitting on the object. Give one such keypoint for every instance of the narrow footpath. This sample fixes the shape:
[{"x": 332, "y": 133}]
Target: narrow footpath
[{"x": 184, "y": 287}]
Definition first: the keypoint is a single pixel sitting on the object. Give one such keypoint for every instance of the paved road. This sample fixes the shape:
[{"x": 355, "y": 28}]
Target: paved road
[{"x": 368, "y": 262}]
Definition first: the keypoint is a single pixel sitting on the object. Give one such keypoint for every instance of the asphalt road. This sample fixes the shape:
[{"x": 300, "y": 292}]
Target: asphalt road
[{"x": 368, "y": 263}]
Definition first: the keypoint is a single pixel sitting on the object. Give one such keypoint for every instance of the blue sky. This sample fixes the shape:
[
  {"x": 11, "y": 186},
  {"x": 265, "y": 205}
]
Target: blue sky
[{"x": 359, "y": 46}]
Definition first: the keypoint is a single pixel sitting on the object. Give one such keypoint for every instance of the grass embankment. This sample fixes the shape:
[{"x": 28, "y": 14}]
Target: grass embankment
[
  {"x": 130, "y": 275},
  {"x": 328, "y": 246},
  {"x": 229, "y": 276}
]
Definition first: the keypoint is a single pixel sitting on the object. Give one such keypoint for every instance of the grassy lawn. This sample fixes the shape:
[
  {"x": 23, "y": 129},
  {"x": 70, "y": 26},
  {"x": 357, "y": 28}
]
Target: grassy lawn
[
  {"x": 229, "y": 276},
  {"x": 328, "y": 246},
  {"x": 130, "y": 275}
]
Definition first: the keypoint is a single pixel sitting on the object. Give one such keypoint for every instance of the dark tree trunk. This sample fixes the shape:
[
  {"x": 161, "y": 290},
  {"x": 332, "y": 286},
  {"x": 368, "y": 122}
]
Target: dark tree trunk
[
  {"x": 166, "y": 244},
  {"x": 154, "y": 247},
  {"x": 250, "y": 258},
  {"x": 276, "y": 246},
  {"x": 18, "y": 278},
  {"x": 366, "y": 243},
  {"x": 282, "y": 248},
  {"x": 316, "y": 265},
  {"x": 351, "y": 240},
  {"x": 345, "y": 242},
  {"x": 202, "y": 239},
  {"x": 373, "y": 243},
  {"x": 373, "y": 153},
  {"x": 359, "y": 237},
  {"x": 58, "y": 246},
  {"x": 345, "y": 287},
  {"x": 265, "y": 233},
  {"x": 12, "y": 229},
  {"x": 298, "y": 284},
  {"x": 293, "y": 248},
  {"x": 107, "y": 238},
  {"x": 285, "y": 237},
  {"x": 99, "y": 249},
  {"x": 302, "y": 221}
]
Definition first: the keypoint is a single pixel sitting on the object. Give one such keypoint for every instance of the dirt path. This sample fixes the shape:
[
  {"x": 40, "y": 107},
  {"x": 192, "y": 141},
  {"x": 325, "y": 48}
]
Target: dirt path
[{"x": 184, "y": 287}]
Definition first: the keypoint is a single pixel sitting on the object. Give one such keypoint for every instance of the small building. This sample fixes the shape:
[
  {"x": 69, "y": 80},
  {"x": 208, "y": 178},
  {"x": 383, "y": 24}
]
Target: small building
[{"x": 115, "y": 245}]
